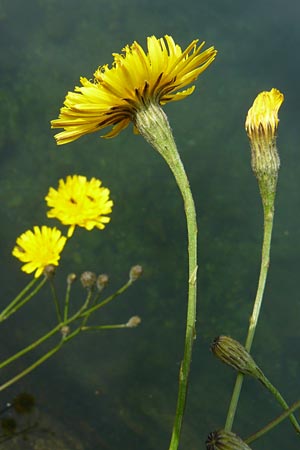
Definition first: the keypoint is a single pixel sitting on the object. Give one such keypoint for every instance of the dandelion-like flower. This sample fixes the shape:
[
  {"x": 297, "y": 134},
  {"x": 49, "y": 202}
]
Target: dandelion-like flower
[
  {"x": 39, "y": 248},
  {"x": 133, "y": 90},
  {"x": 135, "y": 79},
  {"x": 81, "y": 202}
]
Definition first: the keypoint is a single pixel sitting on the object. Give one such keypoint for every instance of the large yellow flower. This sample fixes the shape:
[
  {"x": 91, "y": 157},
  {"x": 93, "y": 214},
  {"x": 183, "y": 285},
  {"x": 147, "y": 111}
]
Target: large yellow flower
[
  {"x": 135, "y": 79},
  {"x": 39, "y": 248},
  {"x": 78, "y": 201}
]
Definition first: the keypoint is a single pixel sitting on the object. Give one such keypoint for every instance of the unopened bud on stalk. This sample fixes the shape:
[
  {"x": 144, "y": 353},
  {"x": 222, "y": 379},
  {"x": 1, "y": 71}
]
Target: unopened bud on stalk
[
  {"x": 231, "y": 352},
  {"x": 49, "y": 271},
  {"x": 102, "y": 281},
  {"x": 261, "y": 127},
  {"x": 135, "y": 272},
  {"x": 225, "y": 440},
  {"x": 88, "y": 279},
  {"x": 71, "y": 278},
  {"x": 65, "y": 330},
  {"x": 133, "y": 322}
]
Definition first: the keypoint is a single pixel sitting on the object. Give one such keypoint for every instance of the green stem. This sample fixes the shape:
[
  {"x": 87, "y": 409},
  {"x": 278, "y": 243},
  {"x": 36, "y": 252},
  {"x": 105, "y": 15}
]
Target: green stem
[
  {"x": 265, "y": 261},
  {"x": 280, "y": 400},
  {"x": 46, "y": 336},
  {"x": 17, "y": 303},
  {"x": 67, "y": 301},
  {"x": 40, "y": 360},
  {"x": 273, "y": 423},
  {"x": 56, "y": 302},
  {"x": 153, "y": 125},
  {"x": 32, "y": 367},
  {"x": 190, "y": 333},
  {"x": 103, "y": 327},
  {"x": 94, "y": 308}
]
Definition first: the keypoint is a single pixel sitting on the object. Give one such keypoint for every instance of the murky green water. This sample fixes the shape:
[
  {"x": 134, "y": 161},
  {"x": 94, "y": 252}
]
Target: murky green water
[{"x": 118, "y": 390}]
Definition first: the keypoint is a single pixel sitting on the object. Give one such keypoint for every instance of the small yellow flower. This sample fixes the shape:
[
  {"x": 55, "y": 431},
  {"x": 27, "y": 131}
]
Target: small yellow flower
[
  {"x": 78, "y": 201},
  {"x": 135, "y": 79},
  {"x": 39, "y": 248},
  {"x": 262, "y": 118}
]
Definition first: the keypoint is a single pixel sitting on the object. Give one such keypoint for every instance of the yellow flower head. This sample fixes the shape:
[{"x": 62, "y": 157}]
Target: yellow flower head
[
  {"x": 262, "y": 117},
  {"x": 39, "y": 248},
  {"x": 261, "y": 126},
  {"x": 135, "y": 79},
  {"x": 78, "y": 201}
]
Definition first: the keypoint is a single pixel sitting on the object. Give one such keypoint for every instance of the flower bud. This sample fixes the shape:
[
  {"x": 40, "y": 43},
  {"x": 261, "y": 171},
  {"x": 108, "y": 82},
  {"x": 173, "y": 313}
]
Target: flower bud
[
  {"x": 133, "y": 322},
  {"x": 225, "y": 440},
  {"x": 88, "y": 279},
  {"x": 261, "y": 127},
  {"x": 71, "y": 278},
  {"x": 135, "y": 272},
  {"x": 49, "y": 271},
  {"x": 102, "y": 281},
  {"x": 65, "y": 330},
  {"x": 231, "y": 352}
]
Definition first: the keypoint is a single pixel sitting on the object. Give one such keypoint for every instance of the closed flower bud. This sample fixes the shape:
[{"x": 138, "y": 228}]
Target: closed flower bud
[
  {"x": 231, "y": 352},
  {"x": 65, "y": 330},
  {"x": 88, "y": 279},
  {"x": 49, "y": 271},
  {"x": 133, "y": 322},
  {"x": 102, "y": 281},
  {"x": 261, "y": 127},
  {"x": 71, "y": 278},
  {"x": 135, "y": 272},
  {"x": 225, "y": 440}
]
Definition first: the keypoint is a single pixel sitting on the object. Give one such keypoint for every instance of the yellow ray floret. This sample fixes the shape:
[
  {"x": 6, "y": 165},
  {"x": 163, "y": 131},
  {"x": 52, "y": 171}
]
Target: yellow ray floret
[
  {"x": 135, "y": 79},
  {"x": 39, "y": 248},
  {"x": 262, "y": 117},
  {"x": 81, "y": 202}
]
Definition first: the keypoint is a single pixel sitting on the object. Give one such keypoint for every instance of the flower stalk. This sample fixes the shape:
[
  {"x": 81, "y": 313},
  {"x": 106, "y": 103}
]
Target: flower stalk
[
  {"x": 153, "y": 125},
  {"x": 261, "y": 127}
]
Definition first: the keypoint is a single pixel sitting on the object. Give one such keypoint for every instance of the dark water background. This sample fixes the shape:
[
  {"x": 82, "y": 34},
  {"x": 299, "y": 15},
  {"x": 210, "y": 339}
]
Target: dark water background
[{"x": 118, "y": 389}]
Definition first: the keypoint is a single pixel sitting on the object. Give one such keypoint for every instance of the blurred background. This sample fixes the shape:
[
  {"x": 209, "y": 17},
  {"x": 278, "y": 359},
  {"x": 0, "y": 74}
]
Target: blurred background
[{"x": 118, "y": 389}]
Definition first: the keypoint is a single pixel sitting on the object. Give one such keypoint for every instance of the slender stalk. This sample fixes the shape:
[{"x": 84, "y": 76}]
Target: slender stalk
[
  {"x": 153, "y": 125},
  {"x": 56, "y": 301},
  {"x": 32, "y": 367},
  {"x": 94, "y": 308},
  {"x": 42, "y": 359},
  {"x": 103, "y": 327},
  {"x": 265, "y": 261},
  {"x": 280, "y": 400},
  {"x": 273, "y": 423},
  {"x": 17, "y": 303},
  {"x": 46, "y": 336},
  {"x": 190, "y": 333},
  {"x": 67, "y": 297}
]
